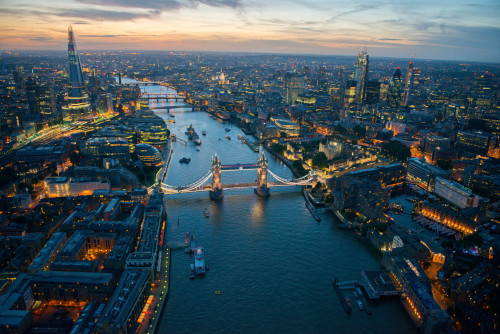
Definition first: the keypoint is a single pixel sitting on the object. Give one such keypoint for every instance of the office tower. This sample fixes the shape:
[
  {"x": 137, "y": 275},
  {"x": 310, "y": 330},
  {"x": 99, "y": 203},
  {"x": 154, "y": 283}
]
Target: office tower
[
  {"x": 395, "y": 88},
  {"x": 78, "y": 100},
  {"x": 18, "y": 74},
  {"x": 350, "y": 92},
  {"x": 361, "y": 76},
  {"x": 482, "y": 90},
  {"x": 104, "y": 103},
  {"x": 423, "y": 174},
  {"x": 372, "y": 92},
  {"x": 475, "y": 142},
  {"x": 410, "y": 75},
  {"x": 41, "y": 99},
  {"x": 294, "y": 86}
]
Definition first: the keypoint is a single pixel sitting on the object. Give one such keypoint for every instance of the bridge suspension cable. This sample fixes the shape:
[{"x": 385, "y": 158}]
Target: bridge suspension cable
[
  {"x": 189, "y": 187},
  {"x": 294, "y": 182}
]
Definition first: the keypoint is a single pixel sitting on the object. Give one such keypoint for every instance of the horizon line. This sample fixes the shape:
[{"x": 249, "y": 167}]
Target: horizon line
[{"x": 411, "y": 58}]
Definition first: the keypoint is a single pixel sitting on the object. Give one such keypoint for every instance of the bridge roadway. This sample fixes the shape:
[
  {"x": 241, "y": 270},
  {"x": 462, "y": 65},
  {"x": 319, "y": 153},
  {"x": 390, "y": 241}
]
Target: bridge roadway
[
  {"x": 162, "y": 97},
  {"x": 160, "y": 110},
  {"x": 238, "y": 167},
  {"x": 231, "y": 186}
]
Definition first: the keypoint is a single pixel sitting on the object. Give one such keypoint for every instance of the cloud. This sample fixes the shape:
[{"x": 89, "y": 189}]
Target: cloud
[
  {"x": 105, "y": 15},
  {"x": 355, "y": 10},
  {"x": 390, "y": 39},
  {"x": 163, "y": 5},
  {"x": 102, "y": 36},
  {"x": 146, "y": 4},
  {"x": 41, "y": 39}
]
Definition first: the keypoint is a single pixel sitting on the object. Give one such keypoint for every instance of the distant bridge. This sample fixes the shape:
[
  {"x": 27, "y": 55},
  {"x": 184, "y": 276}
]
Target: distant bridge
[
  {"x": 265, "y": 180},
  {"x": 163, "y": 97},
  {"x": 166, "y": 109}
]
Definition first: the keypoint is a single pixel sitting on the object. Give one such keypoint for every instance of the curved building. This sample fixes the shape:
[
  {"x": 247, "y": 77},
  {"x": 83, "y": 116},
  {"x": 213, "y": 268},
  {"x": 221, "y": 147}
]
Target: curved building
[{"x": 148, "y": 154}]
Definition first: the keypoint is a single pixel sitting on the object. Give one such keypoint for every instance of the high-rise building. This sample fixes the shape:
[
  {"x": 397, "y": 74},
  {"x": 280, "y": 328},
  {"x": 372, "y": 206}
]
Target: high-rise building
[
  {"x": 372, "y": 92},
  {"x": 410, "y": 76},
  {"x": 78, "y": 100},
  {"x": 361, "y": 76},
  {"x": 350, "y": 92},
  {"x": 294, "y": 86},
  {"x": 41, "y": 98},
  {"x": 395, "y": 88}
]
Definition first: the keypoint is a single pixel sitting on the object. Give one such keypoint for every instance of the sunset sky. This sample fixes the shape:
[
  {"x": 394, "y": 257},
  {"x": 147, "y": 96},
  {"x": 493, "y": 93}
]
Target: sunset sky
[{"x": 437, "y": 29}]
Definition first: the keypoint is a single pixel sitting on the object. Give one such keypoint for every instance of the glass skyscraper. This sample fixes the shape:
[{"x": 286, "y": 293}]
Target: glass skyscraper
[
  {"x": 294, "y": 86},
  {"x": 410, "y": 75},
  {"x": 361, "y": 76},
  {"x": 78, "y": 100}
]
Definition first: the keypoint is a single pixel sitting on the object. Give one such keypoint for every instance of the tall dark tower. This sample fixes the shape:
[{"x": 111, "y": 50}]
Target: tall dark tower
[
  {"x": 410, "y": 75},
  {"x": 78, "y": 100},
  {"x": 361, "y": 76},
  {"x": 395, "y": 89}
]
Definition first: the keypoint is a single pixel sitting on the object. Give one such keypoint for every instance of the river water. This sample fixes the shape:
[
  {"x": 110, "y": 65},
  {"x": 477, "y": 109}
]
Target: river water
[{"x": 273, "y": 263}]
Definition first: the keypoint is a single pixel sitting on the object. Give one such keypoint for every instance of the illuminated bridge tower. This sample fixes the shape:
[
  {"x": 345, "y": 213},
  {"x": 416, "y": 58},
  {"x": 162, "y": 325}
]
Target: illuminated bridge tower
[
  {"x": 217, "y": 192},
  {"x": 262, "y": 188}
]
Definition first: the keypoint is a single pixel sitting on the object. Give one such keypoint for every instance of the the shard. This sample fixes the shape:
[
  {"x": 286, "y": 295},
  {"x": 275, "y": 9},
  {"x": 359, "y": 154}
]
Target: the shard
[{"x": 78, "y": 101}]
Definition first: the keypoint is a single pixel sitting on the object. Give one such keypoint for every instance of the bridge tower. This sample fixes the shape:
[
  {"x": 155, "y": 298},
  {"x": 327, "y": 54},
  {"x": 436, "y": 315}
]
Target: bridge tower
[
  {"x": 217, "y": 192},
  {"x": 262, "y": 188}
]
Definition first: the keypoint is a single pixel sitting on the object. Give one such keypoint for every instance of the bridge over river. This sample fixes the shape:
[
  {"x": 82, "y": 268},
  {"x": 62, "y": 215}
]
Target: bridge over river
[{"x": 211, "y": 181}]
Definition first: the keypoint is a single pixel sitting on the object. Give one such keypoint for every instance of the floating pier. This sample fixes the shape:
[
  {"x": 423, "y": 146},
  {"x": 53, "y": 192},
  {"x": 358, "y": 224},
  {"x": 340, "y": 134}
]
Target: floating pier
[{"x": 343, "y": 300}]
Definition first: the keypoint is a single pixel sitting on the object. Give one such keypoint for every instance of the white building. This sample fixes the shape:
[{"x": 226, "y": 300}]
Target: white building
[
  {"x": 65, "y": 186},
  {"x": 455, "y": 193}
]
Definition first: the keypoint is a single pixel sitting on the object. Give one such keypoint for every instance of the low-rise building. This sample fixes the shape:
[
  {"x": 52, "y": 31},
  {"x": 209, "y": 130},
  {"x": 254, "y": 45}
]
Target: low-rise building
[
  {"x": 123, "y": 310},
  {"x": 455, "y": 193}
]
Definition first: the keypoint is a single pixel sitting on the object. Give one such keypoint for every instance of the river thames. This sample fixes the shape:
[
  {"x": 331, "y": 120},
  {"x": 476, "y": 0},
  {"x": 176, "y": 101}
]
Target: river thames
[{"x": 273, "y": 263}]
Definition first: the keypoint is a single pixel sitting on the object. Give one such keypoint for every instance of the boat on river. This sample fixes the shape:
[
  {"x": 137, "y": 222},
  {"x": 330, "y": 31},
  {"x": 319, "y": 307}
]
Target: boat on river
[
  {"x": 192, "y": 273},
  {"x": 185, "y": 160},
  {"x": 197, "y": 141},
  {"x": 205, "y": 212},
  {"x": 228, "y": 137},
  {"x": 360, "y": 305},
  {"x": 199, "y": 261},
  {"x": 204, "y": 132}
]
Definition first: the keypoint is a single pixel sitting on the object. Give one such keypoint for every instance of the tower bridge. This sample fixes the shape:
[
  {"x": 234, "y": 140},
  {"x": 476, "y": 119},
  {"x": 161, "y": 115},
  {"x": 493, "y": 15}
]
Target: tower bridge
[{"x": 212, "y": 180}]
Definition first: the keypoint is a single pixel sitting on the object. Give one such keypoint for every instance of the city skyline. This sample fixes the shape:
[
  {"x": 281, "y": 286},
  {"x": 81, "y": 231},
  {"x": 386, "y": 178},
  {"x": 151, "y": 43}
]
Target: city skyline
[{"x": 433, "y": 30}]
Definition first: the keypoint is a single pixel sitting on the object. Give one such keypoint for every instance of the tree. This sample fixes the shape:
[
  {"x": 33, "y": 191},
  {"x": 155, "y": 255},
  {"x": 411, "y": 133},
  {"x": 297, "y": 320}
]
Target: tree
[
  {"x": 397, "y": 150},
  {"x": 444, "y": 164},
  {"x": 278, "y": 148},
  {"x": 339, "y": 129},
  {"x": 359, "y": 130},
  {"x": 299, "y": 168},
  {"x": 320, "y": 160}
]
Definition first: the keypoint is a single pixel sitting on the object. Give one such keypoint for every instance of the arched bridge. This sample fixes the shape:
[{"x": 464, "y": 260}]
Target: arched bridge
[{"x": 212, "y": 181}]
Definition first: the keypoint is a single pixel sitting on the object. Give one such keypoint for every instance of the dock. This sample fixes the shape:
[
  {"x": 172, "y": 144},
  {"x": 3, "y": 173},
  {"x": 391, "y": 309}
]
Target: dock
[
  {"x": 310, "y": 207},
  {"x": 342, "y": 299},
  {"x": 249, "y": 144},
  {"x": 377, "y": 284},
  {"x": 361, "y": 297}
]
